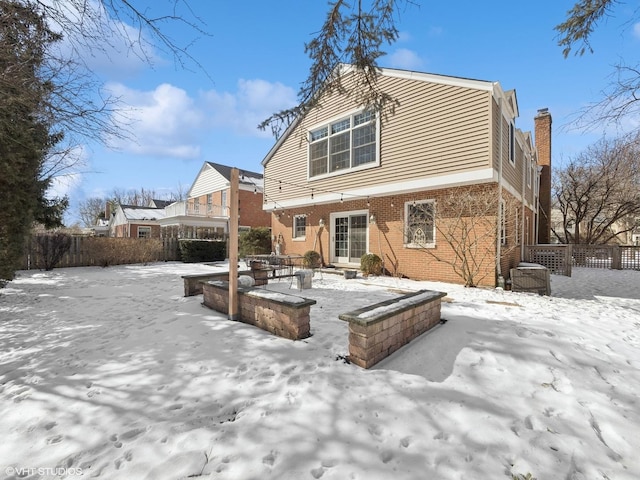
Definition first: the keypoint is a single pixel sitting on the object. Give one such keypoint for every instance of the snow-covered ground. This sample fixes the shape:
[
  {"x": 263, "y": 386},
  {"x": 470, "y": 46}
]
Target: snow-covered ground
[{"x": 112, "y": 373}]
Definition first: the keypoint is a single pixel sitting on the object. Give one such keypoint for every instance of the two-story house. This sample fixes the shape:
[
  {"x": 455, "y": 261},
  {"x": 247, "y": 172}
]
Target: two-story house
[
  {"x": 205, "y": 213},
  {"x": 344, "y": 182}
]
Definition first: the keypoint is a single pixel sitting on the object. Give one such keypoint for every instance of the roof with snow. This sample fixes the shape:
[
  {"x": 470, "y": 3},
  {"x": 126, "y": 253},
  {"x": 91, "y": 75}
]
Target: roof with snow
[{"x": 133, "y": 212}]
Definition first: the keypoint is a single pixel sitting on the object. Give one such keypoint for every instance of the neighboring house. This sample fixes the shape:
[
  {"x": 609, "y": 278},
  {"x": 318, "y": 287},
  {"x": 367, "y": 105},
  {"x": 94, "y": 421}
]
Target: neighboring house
[
  {"x": 205, "y": 213},
  {"x": 344, "y": 182},
  {"x": 619, "y": 233},
  {"x": 160, "y": 203},
  {"x": 135, "y": 222},
  {"x": 101, "y": 228}
]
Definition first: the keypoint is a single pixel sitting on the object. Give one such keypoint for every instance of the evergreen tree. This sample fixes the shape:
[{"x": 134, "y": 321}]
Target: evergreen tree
[{"x": 25, "y": 131}]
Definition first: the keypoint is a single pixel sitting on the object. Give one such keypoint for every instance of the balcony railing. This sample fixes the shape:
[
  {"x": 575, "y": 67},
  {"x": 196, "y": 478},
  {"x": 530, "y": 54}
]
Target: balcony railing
[{"x": 185, "y": 209}]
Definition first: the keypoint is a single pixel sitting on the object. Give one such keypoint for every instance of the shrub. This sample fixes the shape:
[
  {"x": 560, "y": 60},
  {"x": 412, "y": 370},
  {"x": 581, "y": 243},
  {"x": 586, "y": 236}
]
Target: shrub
[
  {"x": 192, "y": 251},
  {"x": 311, "y": 259},
  {"x": 370, "y": 264},
  {"x": 105, "y": 251},
  {"x": 50, "y": 249},
  {"x": 256, "y": 241}
]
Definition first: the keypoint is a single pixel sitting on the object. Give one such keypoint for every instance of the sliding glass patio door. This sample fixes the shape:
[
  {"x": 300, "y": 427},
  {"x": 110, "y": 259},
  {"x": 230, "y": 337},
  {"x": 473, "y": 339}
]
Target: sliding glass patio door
[{"x": 349, "y": 236}]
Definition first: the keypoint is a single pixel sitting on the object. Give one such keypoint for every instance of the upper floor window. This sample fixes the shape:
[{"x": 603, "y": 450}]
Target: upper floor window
[
  {"x": 223, "y": 198},
  {"x": 512, "y": 143},
  {"x": 420, "y": 228},
  {"x": 196, "y": 205},
  {"x": 529, "y": 172},
  {"x": 342, "y": 145},
  {"x": 299, "y": 227}
]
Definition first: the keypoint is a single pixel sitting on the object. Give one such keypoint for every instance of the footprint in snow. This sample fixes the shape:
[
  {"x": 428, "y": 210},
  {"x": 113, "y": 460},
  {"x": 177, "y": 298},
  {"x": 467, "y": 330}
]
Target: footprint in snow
[
  {"x": 270, "y": 459},
  {"x": 386, "y": 456},
  {"x": 55, "y": 439}
]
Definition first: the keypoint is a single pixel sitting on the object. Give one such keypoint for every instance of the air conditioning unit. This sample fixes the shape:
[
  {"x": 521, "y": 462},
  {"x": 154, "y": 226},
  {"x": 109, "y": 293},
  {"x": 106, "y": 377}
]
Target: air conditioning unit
[{"x": 531, "y": 277}]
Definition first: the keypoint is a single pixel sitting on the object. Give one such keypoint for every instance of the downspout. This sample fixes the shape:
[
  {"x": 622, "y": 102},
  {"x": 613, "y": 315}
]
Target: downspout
[
  {"x": 499, "y": 216},
  {"x": 536, "y": 226}
]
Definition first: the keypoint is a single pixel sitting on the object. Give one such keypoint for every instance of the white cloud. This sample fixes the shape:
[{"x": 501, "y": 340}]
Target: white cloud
[
  {"x": 405, "y": 59},
  {"x": 168, "y": 122},
  {"x": 254, "y": 101},
  {"x": 64, "y": 185},
  {"x": 164, "y": 121},
  {"x": 113, "y": 48}
]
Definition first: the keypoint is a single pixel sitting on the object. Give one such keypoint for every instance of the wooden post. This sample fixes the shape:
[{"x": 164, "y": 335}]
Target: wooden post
[{"x": 233, "y": 244}]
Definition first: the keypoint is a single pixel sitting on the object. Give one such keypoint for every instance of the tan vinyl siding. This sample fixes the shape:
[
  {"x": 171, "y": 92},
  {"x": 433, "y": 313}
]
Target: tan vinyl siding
[
  {"x": 511, "y": 173},
  {"x": 436, "y": 130}
]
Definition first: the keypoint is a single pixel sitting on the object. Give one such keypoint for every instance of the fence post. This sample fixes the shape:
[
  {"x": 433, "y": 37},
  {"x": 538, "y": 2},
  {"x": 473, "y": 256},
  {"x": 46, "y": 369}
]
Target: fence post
[{"x": 616, "y": 258}]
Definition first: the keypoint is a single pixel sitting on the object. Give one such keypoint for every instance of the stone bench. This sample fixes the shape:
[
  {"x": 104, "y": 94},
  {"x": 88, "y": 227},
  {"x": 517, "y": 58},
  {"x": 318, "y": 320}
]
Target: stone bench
[
  {"x": 378, "y": 330},
  {"x": 193, "y": 282},
  {"x": 278, "y": 313}
]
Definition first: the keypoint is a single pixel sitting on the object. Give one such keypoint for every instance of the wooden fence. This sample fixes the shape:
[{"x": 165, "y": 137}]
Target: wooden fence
[
  {"x": 102, "y": 251},
  {"x": 559, "y": 259}
]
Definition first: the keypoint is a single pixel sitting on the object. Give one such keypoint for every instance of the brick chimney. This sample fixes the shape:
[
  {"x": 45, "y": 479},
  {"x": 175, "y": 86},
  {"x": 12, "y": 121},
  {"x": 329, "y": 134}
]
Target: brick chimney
[{"x": 543, "y": 145}]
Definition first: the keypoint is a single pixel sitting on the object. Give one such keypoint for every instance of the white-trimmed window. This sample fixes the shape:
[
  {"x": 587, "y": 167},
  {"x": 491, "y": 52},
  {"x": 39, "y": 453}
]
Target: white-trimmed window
[
  {"x": 196, "y": 205},
  {"x": 299, "y": 227},
  {"x": 420, "y": 226},
  {"x": 503, "y": 224},
  {"x": 529, "y": 172},
  {"x": 343, "y": 145},
  {"x": 516, "y": 232},
  {"x": 144, "y": 232},
  {"x": 512, "y": 143}
]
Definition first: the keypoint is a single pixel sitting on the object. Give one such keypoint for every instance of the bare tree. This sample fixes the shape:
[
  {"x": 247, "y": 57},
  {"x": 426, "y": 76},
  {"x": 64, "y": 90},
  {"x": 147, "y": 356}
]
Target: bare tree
[
  {"x": 353, "y": 33},
  {"x": 620, "y": 98},
  {"x": 137, "y": 197},
  {"x": 107, "y": 26},
  {"x": 469, "y": 221},
  {"x": 598, "y": 192},
  {"x": 91, "y": 209}
]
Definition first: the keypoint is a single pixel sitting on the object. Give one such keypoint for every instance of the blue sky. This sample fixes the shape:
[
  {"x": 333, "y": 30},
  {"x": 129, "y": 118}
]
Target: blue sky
[{"x": 254, "y": 61}]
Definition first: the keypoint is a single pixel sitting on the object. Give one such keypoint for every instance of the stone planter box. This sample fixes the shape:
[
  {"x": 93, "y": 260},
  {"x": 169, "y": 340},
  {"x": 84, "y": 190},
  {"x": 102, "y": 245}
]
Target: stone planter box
[
  {"x": 378, "y": 330},
  {"x": 281, "y": 314},
  {"x": 193, "y": 282}
]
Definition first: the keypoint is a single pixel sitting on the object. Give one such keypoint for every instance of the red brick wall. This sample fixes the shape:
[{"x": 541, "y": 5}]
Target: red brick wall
[
  {"x": 386, "y": 237},
  {"x": 543, "y": 146},
  {"x": 251, "y": 212},
  {"x": 131, "y": 230}
]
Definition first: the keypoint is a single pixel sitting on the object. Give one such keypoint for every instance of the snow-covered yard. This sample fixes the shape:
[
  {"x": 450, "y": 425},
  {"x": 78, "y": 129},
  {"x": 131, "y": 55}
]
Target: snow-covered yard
[{"x": 112, "y": 373}]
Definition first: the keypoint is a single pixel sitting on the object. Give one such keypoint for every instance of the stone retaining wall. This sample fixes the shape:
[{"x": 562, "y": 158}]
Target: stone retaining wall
[
  {"x": 281, "y": 314},
  {"x": 378, "y": 330},
  {"x": 193, "y": 282}
]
